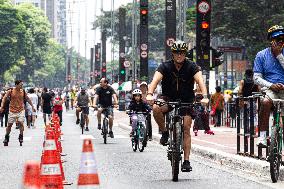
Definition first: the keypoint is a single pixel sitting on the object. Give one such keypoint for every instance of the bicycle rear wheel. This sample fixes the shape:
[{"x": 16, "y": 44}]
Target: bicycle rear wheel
[
  {"x": 176, "y": 143},
  {"x": 105, "y": 130},
  {"x": 275, "y": 155}
]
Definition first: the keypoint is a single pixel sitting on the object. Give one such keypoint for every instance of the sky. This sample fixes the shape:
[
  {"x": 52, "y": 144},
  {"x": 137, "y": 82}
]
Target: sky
[{"x": 83, "y": 14}]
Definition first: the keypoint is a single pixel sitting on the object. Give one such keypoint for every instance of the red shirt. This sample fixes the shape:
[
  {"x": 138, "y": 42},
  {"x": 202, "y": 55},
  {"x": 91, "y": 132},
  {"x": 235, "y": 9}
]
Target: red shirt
[{"x": 57, "y": 104}]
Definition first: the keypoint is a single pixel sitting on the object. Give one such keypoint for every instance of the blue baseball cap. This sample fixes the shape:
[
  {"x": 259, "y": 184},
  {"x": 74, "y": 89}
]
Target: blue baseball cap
[{"x": 277, "y": 34}]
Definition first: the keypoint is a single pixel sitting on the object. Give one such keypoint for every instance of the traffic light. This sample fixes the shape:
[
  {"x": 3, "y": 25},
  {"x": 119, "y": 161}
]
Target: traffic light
[
  {"x": 144, "y": 12},
  {"x": 217, "y": 58},
  {"x": 203, "y": 24},
  {"x": 103, "y": 71},
  {"x": 122, "y": 71}
]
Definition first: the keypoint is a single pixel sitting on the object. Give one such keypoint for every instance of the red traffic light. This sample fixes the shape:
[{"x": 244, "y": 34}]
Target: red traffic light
[
  {"x": 144, "y": 11},
  {"x": 103, "y": 70},
  {"x": 204, "y": 25}
]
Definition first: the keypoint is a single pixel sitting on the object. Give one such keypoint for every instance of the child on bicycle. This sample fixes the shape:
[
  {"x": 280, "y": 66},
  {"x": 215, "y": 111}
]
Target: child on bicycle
[{"x": 137, "y": 105}]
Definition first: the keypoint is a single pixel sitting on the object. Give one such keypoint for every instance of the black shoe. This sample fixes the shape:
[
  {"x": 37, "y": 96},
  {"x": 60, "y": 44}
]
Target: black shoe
[
  {"x": 87, "y": 129},
  {"x": 6, "y": 140},
  {"x": 150, "y": 138},
  {"x": 78, "y": 121},
  {"x": 110, "y": 134},
  {"x": 99, "y": 126},
  {"x": 186, "y": 166},
  {"x": 164, "y": 139}
]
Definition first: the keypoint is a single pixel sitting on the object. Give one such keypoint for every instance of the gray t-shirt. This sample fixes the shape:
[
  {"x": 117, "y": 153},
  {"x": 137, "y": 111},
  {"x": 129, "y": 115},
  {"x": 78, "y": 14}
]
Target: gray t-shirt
[{"x": 83, "y": 99}]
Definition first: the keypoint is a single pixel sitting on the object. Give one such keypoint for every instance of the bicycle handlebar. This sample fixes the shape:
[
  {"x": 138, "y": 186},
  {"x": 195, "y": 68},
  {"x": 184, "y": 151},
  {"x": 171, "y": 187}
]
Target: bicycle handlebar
[
  {"x": 177, "y": 103},
  {"x": 136, "y": 112}
]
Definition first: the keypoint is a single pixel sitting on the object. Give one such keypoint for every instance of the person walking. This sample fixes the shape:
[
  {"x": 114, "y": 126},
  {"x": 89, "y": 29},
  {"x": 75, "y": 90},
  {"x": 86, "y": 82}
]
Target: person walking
[
  {"x": 5, "y": 113},
  {"x": 32, "y": 115},
  {"x": 217, "y": 106},
  {"x": 17, "y": 97},
  {"x": 46, "y": 104}
]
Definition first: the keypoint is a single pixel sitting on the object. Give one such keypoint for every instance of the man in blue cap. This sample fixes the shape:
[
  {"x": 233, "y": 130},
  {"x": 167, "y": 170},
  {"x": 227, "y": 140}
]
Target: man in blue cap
[{"x": 269, "y": 73}]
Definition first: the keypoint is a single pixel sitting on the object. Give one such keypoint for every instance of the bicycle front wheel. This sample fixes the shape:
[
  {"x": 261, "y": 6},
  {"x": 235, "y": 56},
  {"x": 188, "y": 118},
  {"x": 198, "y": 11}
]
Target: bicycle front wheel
[
  {"x": 82, "y": 123},
  {"x": 105, "y": 130},
  {"x": 176, "y": 143},
  {"x": 275, "y": 155},
  {"x": 142, "y": 137}
]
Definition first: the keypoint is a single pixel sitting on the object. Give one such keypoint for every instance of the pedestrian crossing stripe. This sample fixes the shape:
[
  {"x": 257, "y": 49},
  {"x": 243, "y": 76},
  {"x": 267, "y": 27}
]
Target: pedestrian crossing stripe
[
  {"x": 87, "y": 137},
  {"x": 120, "y": 136},
  {"x": 27, "y": 138}
]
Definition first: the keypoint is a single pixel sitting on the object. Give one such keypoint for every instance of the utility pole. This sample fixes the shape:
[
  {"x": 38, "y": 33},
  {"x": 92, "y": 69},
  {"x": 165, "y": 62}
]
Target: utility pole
[
  {"x": 134, "y": 41},
  {"x": 122, "y": 33},
  {"x": 112, "y": 41},
  {"x": 170, "y": 26}
]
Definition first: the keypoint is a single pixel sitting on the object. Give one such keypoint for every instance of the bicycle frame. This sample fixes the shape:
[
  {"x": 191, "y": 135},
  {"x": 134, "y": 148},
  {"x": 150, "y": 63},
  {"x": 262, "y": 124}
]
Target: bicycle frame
[{"x": 275, "y": 155}]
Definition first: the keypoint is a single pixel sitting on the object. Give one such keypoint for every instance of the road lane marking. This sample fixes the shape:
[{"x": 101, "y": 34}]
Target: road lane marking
[
  {"x": 216, "y": 144},
  {"x": 27, "y": 138},
  {"x": 120, "y": 136},
  {"x": 87, "y": 137}
]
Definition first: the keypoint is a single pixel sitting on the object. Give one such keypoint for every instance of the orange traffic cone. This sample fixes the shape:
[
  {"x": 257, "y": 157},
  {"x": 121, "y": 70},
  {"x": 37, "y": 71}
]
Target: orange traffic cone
[
  {"x": 31, "y": 179},
  {"x": 51, "y": 176},
  {"x": 88, "y": 176},
  {"x": 51, "y": 166}
]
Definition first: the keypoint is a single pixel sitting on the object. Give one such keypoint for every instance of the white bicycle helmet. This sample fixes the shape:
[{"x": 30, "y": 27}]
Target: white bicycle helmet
[{"x": 136, "y": 91}]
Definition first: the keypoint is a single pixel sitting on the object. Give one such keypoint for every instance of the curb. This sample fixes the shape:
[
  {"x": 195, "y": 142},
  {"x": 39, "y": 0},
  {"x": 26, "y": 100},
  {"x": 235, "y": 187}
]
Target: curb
[{"x": 259, "y": 167}]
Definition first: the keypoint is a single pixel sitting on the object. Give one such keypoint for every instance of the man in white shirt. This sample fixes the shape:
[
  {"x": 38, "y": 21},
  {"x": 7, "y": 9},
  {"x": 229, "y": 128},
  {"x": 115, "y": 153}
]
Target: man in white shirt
[{"x": 32, "y": 115}]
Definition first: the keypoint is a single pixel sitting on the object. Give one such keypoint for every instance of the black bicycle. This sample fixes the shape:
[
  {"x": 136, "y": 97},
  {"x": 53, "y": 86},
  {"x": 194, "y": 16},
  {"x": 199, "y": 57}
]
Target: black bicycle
[
  {"x": 139, "y": 137},
  {"x": 174, "y": 124},
  {"x": 105, "y": 131},
  {"x": 82, "y": 118}
]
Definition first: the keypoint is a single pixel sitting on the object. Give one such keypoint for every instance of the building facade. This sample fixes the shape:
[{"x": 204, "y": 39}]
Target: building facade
[{"x": 55, "y": 10}]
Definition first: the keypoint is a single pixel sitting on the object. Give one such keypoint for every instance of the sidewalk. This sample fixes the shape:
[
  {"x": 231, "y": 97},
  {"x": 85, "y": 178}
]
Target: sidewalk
[{"x": 221, "y": 147}]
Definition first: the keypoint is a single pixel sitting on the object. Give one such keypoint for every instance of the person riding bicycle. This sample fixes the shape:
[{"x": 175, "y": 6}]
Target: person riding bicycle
[
  {"x": 83, "y": 101},
  {"x": 178, "y": 76},
  {"x": 269, "y": 73},
  {"x": 137, "y": 105},
  {"x": 105, "y": 94}
]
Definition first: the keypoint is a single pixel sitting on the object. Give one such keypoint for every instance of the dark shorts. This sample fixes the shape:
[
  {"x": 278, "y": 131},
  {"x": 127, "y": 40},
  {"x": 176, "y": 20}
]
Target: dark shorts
[
  {"x": 108, "y": 111},
  {"x": 85, "y": 110},
  {"x": 46, "y": 109}
]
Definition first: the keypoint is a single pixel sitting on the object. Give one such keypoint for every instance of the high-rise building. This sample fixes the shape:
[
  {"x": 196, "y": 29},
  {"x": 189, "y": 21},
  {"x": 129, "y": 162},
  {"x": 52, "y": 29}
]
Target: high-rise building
[
  {"x": 62, "y": 33},
  {"x": 55, "y": 10}
]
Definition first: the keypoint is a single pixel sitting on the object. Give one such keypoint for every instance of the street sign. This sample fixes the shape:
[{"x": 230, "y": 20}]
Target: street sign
[
  {"x": 170, "y": 41},
  {"x": 144, "y": 47},
  {"x": 126, "y": 64},
  {"x": 203, "y": 7},
  {"x": 230, "y": 49},
  {"x": 144, "y": 54}
]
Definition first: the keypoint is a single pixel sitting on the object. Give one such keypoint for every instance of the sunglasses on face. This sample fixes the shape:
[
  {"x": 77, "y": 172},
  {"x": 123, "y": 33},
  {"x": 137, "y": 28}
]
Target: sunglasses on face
[{"x": 279, "y": 39}]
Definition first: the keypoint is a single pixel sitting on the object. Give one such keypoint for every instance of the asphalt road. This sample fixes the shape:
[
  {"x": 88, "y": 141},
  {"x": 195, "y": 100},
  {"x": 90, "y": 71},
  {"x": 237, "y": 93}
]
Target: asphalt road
[{"x": 118, "y": 166}]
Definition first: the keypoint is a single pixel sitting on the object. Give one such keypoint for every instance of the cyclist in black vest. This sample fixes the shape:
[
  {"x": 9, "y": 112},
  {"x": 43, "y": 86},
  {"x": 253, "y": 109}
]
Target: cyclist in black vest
[{"x": 178, "y": 76}]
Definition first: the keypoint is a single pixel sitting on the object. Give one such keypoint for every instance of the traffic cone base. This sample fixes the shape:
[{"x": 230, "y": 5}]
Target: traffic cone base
[
  {"x": 88, "y": 175},
  {"x": 88, "y": 179}
]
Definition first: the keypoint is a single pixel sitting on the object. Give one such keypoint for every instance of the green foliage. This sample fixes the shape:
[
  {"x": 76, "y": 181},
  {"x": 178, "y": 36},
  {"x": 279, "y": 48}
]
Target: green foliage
[
  {"x": 12, "y": 37},
  {"x": 246, "y": 22},
  {"x": 156, "y": 23}
]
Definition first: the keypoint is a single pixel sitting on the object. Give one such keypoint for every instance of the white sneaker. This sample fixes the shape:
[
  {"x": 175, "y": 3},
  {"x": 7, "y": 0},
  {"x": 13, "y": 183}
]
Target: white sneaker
[{"x": 261, "y": 141}]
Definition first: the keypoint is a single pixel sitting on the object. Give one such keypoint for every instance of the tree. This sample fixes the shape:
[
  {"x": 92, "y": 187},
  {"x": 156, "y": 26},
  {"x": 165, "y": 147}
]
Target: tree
[
  {"x": 12, "y": 37},
  {"x": 36, "y": 38},
  {"x": 246, "y": 22},
  {"x": 156, "y": 23}
]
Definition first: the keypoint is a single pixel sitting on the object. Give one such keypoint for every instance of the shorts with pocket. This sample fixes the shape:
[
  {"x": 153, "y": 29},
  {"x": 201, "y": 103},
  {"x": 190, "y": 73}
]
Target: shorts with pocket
[{"x": 14, "y": 117}]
